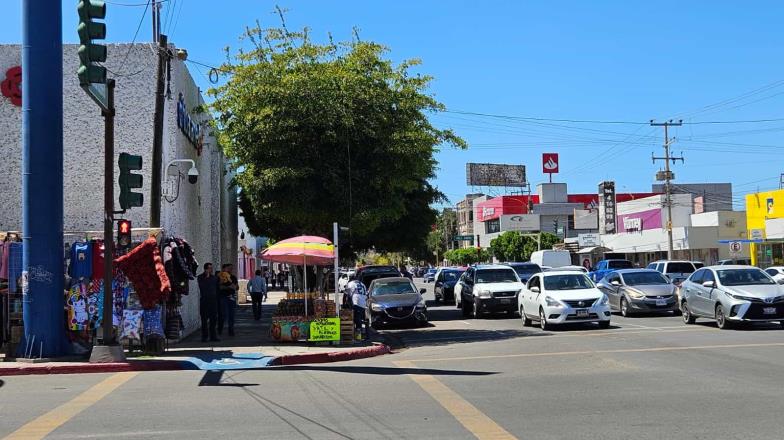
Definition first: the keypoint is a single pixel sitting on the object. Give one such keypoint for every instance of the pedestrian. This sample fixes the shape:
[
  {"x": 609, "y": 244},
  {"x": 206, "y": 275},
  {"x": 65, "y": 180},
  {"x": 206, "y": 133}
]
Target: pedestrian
[
  {"x": 359, "y": 301},
  {"x": 227, "y": 294},
  {"x": 273, "y": 278},
  {"x": 404, "y": 271},
  {"x": 257, "y": 287},
  {"x": 208, "y": 303},
  {"x": 281, "y": 279}
]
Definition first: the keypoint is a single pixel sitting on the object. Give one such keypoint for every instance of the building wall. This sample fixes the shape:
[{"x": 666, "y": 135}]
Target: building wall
[
  {"x": 718, "y": 196},
  {"x": 204, "y": 214}
]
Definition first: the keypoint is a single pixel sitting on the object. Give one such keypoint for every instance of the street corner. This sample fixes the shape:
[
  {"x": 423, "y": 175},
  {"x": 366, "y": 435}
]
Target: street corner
[{"x": 376, "y": 349}]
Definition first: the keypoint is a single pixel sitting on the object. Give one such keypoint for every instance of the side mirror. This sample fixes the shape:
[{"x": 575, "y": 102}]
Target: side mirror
[
  {"x": 780, "y": 281},
  {"x": 615, "y": 283},
  {"x": 710, "y": 284},
  {"x": 423, "y": 291},
  {"x": 536, "y": 289}
]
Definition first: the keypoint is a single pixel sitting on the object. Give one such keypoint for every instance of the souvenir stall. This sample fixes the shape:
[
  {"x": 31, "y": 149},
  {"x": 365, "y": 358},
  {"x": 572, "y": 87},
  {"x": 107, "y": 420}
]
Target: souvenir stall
[
  {"x": 11, "y": 326},
  {"x": 307, "y": 313}
]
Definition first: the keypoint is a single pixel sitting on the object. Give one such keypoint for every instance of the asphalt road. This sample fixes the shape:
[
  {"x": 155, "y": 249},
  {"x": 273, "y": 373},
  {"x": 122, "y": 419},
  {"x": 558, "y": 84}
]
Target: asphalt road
[{"x": 644, "y": 378}]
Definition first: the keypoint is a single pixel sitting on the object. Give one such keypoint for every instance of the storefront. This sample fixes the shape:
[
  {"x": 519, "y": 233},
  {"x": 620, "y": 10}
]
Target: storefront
[{"x": 765, "y": 223}]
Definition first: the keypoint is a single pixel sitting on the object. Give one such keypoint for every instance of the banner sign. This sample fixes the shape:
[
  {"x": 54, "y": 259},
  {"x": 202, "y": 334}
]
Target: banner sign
[
  {"x": 326, "y": 329},
  {"x": 491, "y": 174},
  {"x": 550, "y": 163},
  {"x": 607, "y": 207},
  {"x": 190, "y": 128}
]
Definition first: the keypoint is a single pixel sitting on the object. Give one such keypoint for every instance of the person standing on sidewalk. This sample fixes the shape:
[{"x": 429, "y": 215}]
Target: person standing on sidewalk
[
  {"x": 359, "y": 302},
  {"x": 273, "y": 278},
  {"x": 227, "y": 293},
  {"x": 281, "y": 278},
  {"x": 208, "y": 303},
  {"x": 257, "y": 287}
]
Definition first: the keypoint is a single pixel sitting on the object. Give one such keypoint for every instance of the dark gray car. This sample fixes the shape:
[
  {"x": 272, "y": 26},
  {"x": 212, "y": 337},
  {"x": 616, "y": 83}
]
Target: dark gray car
[
  {"x": 639, "y": 291},
  {"x": 392, "y": 300}
]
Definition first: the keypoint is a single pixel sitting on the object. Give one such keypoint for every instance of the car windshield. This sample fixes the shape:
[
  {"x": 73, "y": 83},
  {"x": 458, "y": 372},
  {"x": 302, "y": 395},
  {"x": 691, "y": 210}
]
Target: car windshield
[
  {"x": 452, "y": 275},
  {"x": 679, "y": 268},
  {"x": 526, "y": 270},
  {"x": 393, "y": 288},
  {"x": 573, "y": 281},
  {"x": 641, "y": 278},
  {"x": 619, "y": 264},
  {"x": 496, "y": 276},
  {"x": 699, "y": 265},
  {"x": 367, "y": 279},
  {"x": 743, "y": 277}
]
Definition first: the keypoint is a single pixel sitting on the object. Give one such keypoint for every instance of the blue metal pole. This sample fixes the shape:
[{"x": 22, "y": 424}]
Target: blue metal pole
[{"x": 42, "y": 180}]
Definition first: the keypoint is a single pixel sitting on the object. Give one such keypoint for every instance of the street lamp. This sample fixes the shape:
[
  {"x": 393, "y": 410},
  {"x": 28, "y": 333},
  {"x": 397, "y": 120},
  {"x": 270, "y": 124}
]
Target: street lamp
[{"x": 336, "y": 229}]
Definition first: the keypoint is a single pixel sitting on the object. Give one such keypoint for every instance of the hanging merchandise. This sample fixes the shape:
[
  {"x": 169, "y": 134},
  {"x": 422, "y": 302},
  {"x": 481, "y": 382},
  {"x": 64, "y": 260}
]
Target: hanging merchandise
[
  {"x": 180, "y": 263},
  {"x": 144, "y": 268},
  {"x": 76, "y": 307},
  {"x": 97, "y": 257},
  {"x": 95, "y": 303},
  {"x": 81, "y": 260},
  {"x": 152, "y": 322},
  {"x": 131, "y": 325},
  {"x": 14, "y": 250}
]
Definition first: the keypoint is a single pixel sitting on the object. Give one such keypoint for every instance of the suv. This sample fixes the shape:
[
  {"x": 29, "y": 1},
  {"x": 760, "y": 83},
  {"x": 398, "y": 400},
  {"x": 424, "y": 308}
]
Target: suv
[
  {"x": 367, "y": 274},
  {"x": 488, "y": 288},
  {"x": 524, "y": 270},
  {"x": 675, "y": 271},
  {"x": 604, "y": 267}
]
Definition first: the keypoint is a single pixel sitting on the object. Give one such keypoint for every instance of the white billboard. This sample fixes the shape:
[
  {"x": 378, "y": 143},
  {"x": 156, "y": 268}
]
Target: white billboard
[{"x": 520, "y": 222}]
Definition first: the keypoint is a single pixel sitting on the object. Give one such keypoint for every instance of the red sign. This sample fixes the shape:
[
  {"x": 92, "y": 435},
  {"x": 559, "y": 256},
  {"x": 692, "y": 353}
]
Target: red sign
[
  {"x": 11, "y": 86},
  {"x": 550, "y": 163}
]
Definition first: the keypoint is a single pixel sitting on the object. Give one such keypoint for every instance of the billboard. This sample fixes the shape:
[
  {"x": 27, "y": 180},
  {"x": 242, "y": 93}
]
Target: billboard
[
  {"x": 491, "y": 174},
  {"x": 640, "y": 221},
  {"x": 519, "y": 222},
  {"x": 607, "y": 208}
]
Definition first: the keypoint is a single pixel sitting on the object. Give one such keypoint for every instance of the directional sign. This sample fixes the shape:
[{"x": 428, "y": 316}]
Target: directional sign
[
  {"x": 463, "y": 237},
  {"x": 735, "y": 247}
]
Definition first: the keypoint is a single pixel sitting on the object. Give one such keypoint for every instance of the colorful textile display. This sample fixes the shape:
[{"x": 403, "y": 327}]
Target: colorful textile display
[
  {"x": 81, "y": 260},
  {"x": 131, "y": 324},
  {"x": 144, "y": 268},
  {"x": 153, "y": 326},
  {"x": 76, "y": 307},
  {"x": 180, "y": 263},
  {"x": 95, "y": 303}
]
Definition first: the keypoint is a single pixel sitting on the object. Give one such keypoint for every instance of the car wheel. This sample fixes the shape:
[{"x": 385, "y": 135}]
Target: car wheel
[
  {"x": 543, "y": 321},
  {"x": 688, "y": 318},
  {"x": 465, "y": 310},
  {"x": 526, "y": 321},
  {"x": 604, "y": 324},
  {"x": 721, "y": 318},
  {"x": 624, "y": 308}
]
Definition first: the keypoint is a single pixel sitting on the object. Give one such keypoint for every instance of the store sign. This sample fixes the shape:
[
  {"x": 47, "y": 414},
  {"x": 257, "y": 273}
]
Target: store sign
[
  {"x": 190, "y": 128},
  {"x": 607, "y": 207},
  {"x": 491, "y": 174},
  {"x": 11, "y": 85},
  {"x": 326, "y": 329},
  {"x": 520, "y": 222},
  {"x": 588, "y": 240},
  {"x": 550, "y": 163},
  {"x": 640, "y": 221},
  {"x": 757, "y": 234}
]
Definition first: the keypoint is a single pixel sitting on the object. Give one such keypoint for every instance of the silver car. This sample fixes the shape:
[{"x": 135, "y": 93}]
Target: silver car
[
  {"x": 732, "y": 294},
  {"x": 639, "y": 291},
  {"x": 393, "y": 300}
]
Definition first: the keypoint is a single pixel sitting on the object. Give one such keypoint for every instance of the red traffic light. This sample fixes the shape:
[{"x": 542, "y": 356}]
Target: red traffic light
[{"x": 123, "y": 233}]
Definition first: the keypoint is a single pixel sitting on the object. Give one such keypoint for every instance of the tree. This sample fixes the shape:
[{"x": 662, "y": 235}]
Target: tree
[
  {"x": 467, "y": 256},
  {"x": 514, "y": 246},
  {"x": 330, "y": 132},
  {"x": 441, "y": 237}
]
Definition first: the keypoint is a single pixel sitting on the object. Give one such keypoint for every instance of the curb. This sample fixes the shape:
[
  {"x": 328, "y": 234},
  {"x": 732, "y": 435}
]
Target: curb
[
  {"x": 377, "y": 349},
  {"x": 115, "y": 367}
]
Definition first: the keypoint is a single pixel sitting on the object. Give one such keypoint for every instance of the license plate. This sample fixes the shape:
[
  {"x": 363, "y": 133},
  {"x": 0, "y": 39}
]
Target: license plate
[
  {"x": 769, "y": 310},
  {"x": 582, "y": 313},
  {"x": 506, "y": 301},
  {"x": 661, "y": 302}
]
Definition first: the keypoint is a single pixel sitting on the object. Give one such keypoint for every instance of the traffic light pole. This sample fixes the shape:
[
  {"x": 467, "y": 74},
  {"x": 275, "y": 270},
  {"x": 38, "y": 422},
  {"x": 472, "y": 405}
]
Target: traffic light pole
[{"x": 108, "y": 350}]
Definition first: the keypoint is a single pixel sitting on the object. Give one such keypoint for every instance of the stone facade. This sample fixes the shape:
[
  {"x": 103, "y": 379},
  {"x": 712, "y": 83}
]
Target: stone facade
[{"x": 204, "y": 213}]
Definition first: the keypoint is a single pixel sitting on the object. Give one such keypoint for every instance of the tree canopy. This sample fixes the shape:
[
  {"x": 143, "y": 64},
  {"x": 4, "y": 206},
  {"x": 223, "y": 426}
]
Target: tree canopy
[
  {"x": 466, "y": 256},
  {"x": 514, "y": 246},
  {"x": 330, "y": 132}
]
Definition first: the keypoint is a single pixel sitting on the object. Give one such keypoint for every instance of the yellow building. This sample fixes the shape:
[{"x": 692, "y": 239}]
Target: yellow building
[{"x": 765, "y": 224}]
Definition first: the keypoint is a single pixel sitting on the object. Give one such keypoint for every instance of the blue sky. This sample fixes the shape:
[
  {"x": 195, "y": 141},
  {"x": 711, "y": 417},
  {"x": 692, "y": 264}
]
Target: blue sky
[{"x": 601, "y": 61}]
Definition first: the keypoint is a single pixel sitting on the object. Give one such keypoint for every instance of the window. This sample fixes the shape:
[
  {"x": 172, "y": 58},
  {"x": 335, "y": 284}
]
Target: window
[
  {"x": 496, "y": 276},
  {"x": 567, "y": 282},
  {"x": 534, "y": 282},
  {"x": 743, "y": 277},
  {"x": 679, "y": 267},
  {"x": 772, "y": 272},
  {"x": 696, "y": 277},
  {"x": 492, "y": 226},
  {"x": 471, "y": 215},
  {"x": 652, "y": 266},
  {"x": 620, "y": 264},
  {"x": 613, "y": 277},
  {"x": 660, "y": 267},
  {"x": 708, "y": 276},
  {"x": 393, "y": 288},
  {"x": 644, "y": 278}
]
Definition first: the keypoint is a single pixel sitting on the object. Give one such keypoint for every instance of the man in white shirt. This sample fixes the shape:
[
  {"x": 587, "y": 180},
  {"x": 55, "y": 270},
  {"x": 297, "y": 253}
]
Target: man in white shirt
[
  {"x": 359, "y": 301},
  {"x": 257, "y": 287}
]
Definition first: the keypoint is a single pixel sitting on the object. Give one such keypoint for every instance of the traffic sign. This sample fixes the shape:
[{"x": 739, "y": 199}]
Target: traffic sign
[
  {"x": 464, "y": 237},
  {"x": 735, "y": 247}
]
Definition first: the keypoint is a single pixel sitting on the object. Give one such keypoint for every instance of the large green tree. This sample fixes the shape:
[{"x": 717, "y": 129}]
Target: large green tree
[
  {"x": 514, "y": 246},
  {"x": 330, "y": 132}
]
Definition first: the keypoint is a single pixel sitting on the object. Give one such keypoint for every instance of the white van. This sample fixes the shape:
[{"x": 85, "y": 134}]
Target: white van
[{"x": 552, "y": 258}]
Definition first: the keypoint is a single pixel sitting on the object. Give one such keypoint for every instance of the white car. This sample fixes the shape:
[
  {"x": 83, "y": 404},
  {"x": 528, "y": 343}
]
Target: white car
[
  {"x": 569, "y": 269},
  {"x": 487, "y": 289},
  {"x": 562, "y": 297},
  {"x": 777, "y": 272}
]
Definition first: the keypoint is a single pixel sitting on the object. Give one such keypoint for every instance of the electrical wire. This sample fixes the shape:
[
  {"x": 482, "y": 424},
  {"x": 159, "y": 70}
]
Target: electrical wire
[
  {"x": 130, "y": 4},
  {"x": 135, "y": 35}
]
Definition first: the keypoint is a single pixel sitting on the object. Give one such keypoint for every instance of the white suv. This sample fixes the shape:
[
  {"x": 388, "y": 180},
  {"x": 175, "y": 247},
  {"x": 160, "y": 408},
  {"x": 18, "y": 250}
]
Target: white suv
[
  {"x": 563, "y": 297},
  {"x": 487, "y": 289}
]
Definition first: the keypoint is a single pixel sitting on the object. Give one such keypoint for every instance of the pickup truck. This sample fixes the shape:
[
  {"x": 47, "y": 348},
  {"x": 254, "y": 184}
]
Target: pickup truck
[{"x": 604, "y": 267}]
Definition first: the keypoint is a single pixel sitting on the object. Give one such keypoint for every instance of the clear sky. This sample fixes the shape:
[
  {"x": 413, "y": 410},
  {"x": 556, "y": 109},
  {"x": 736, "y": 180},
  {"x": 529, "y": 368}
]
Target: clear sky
[{"x": 611, "y": 61}]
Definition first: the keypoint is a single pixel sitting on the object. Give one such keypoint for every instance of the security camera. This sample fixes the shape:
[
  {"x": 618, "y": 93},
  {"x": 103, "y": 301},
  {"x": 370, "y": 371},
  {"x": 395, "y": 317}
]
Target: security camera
[{"x": 193, "y": 175}]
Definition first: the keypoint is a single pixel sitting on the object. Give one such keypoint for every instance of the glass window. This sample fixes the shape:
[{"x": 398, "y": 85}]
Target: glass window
[
  {"x": 620, "y": 264},
  {"x": 567, "y": 282},
  {"x": 708, "y": 276},
  {"x": 526, "y": 270},
  {"x": 393, "y": 288},
  {"x": 644, "y": 278},
  {"x": 696, "y": 277},
  {"x": 534, "y": 282},
  {"x": 660, "y": 267},
  {"x": 743, "y": 277},
  {"x": 450, "y": 275},
  {"x": 683, "y": 267},
  {"x": 492, "y": 226},
  {"x": 496, "y": 276},
  {"x": 652, "y": 266}
]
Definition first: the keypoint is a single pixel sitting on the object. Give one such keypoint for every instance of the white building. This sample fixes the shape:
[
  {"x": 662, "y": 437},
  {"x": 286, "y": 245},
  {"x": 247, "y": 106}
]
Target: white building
[{"x": 205, "y": 214}]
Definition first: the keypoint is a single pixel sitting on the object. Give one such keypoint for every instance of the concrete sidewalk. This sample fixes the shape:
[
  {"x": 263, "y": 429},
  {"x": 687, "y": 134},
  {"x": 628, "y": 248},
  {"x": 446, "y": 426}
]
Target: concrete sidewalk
[{"x": 250, "y": 348}]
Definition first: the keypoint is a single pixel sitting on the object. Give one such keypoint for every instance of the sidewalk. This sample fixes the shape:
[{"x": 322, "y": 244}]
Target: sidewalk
[{"x": 250, "y": 348}]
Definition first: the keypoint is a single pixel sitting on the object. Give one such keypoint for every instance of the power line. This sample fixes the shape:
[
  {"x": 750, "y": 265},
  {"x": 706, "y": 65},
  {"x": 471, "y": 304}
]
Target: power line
[
  {"x": 130, "y": 4},
  {"x": 135, "y": 35}
]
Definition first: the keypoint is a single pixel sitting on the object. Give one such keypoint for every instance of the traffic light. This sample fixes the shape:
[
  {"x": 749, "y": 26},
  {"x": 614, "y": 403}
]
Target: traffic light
[
  {"x": 123, "y": 234},
  {"x": 130, "y": 181},
  {"x": 89, "y": 52},
  {"x": 555, "y": 225}
]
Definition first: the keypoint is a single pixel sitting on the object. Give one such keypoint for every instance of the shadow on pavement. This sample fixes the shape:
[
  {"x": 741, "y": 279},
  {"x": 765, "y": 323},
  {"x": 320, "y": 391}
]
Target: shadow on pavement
[
  {"x": 413, "y": 338},
  {"x": 743, "y": 326},
  {"x": 382, "y": 371}
]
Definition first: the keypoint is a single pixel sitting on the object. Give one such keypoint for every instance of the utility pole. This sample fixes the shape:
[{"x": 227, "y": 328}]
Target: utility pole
[
  {"x": 667, "y": 176},
  {"x": 157, "y": 139},
  {"x": 156, "y": 20}
]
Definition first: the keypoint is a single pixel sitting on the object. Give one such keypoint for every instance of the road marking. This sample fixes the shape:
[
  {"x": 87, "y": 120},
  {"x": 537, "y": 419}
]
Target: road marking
[
  {"x": 619, "y": 350},
  {"x": 479, "y": 424},
  {"x": 640, "y": 326},
  {"x": 465, "y": 322},
  {"x": 45, "y": 424}
]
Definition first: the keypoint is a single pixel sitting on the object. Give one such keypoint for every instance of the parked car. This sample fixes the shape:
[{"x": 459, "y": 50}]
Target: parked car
[
  {"x": 639, "y": 290},
  {"x": 698, "y": 264},
  {"x": 524, "y": 270},
  {"x": 732, "y": 294},
  {"x": 367, "y": 274},
  {"x": 735, "y": 261},
  {"x": 673, "y": 269},
  {"x": 446, "y": 279},
  {"x": 561, "y": 297},
  {"x": 429, "y": 276},
  {"x": 488, "y": 288},
  {"x": 604, "y": 267},
  {"x": 551, "y": 258},
  {"x": 568, "y": 268},
  {"x": 777, "y": 273},
  {"x": 395, "y": 300}
]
